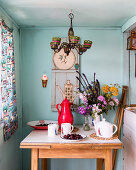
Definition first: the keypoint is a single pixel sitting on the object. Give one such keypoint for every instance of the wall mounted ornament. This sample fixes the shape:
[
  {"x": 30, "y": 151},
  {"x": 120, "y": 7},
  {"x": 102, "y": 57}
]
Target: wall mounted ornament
[
  {"x": 44, "y": 79},
  {"x": 131, "y": 41},
  {"x": 64, "y": 74},
  {"x": 68, "y": 91},
  {"x": 63, "y": 61},
  {"x": 131, "y": 45}
]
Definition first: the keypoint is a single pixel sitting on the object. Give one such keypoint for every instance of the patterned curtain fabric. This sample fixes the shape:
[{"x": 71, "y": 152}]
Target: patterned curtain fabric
[{"x": 8, "y": 88}]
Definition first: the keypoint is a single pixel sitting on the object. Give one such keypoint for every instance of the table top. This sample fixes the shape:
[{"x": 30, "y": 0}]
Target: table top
[{"x": 39, "y": 138}]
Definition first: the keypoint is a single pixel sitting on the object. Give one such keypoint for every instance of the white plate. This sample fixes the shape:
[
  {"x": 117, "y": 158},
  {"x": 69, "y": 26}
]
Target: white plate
[
  {"x": 34, "y": 123},
  {"x": 84, "y": 136}
]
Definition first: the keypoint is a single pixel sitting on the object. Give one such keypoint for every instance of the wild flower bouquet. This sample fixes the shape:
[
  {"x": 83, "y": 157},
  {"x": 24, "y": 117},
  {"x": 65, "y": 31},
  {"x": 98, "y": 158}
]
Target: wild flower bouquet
[{"x": 94, "y": 99}]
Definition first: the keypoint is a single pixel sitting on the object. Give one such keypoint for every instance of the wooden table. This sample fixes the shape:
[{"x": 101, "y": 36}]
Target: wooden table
[{"x": 45, "y": 147}]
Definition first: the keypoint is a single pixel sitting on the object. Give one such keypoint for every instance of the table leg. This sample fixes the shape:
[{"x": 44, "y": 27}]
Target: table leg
[
  {"x": 44, "y": 164},
  {"x": 34, "y": 159},
  {"x": 100, "y": 164},
  {"x": 114, "y": 159},
  {"x": 108, "y": 160}
]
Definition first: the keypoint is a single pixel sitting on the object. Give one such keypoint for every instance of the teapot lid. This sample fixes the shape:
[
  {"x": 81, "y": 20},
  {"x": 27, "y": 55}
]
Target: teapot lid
[
  {"x": 104, "y": 122},
  {"x": 65, "y": 101}
]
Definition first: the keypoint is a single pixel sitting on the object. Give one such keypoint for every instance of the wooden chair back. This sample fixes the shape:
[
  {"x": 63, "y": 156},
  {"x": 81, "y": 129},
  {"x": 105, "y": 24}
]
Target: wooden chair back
[{"x": 118, "y": 120}]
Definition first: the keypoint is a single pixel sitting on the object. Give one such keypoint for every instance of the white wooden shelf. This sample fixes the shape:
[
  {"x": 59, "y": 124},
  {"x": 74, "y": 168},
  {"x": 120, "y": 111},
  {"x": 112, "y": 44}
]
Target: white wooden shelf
[{"x": 129, "y": 139}]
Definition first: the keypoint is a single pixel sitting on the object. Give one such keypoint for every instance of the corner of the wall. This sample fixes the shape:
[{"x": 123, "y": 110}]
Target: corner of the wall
[{"x": 129, "y": 25}]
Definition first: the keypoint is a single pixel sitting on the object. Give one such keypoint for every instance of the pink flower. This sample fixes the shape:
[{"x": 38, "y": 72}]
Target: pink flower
[
  {"x": 116, "y": 101},
  {"x": 101, "y": 98},
  {"x": 105, "y": 103},
  {"x": 95, "y": 109},
  {"x": 111, "y": 103},
  {"x": 83, "y": 98},
  {"x": 84, "y": 93}
]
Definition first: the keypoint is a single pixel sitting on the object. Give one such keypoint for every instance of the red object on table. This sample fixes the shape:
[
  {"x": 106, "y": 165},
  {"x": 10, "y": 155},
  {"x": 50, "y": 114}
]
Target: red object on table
[
  {"x": 40, "y": 127},
  {"x": 65, "y": 115}
]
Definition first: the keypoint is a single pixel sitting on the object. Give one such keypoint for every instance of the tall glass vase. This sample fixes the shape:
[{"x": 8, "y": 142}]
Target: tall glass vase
[{"x": 86, "y": 125}]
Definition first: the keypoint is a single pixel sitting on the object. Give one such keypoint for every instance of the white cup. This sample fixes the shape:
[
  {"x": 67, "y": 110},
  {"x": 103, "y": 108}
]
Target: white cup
[
  {"x": 66, "y": 128},
  {"x": 52, "y": 130}
]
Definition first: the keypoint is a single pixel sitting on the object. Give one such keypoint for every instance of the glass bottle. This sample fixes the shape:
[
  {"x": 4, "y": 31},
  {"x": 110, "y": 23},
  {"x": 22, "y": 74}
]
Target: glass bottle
[{"x": 86, "y": 125}]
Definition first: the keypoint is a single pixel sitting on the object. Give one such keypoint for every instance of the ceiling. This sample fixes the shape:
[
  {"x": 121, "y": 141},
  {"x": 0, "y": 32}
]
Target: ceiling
[{"x": 93, "y": 13}]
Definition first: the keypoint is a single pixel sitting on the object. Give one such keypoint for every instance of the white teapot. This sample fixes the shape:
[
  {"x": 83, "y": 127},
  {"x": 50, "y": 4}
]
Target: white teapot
[{"x": 105, "y": 129}]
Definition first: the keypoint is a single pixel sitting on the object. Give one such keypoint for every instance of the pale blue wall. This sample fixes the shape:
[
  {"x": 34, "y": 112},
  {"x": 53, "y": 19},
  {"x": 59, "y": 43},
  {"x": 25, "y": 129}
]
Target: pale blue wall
[
  {"x": 10, "y": 154},
  {"x": 105, "y": 58}
]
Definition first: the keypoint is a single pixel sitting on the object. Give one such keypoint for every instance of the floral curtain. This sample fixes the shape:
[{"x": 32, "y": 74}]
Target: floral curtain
[{"x": 8, "y": 88}]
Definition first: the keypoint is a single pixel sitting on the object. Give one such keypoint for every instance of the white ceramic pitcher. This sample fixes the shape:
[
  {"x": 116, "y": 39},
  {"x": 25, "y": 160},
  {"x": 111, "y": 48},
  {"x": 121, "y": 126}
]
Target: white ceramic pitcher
[{"x": 105, "y": 129}]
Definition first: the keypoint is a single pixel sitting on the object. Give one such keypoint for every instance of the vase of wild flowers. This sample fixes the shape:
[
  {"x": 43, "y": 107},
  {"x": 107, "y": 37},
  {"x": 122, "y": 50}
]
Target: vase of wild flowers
[{"x": 96, "y": 100}]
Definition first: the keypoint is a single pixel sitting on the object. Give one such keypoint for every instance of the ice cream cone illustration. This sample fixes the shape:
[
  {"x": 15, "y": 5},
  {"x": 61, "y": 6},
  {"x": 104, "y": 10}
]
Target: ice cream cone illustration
[{"x": 44, "y": 79}]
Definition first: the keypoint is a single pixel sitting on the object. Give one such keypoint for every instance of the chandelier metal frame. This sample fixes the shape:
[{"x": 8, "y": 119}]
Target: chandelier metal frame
[{"x": 73, "y": 41}]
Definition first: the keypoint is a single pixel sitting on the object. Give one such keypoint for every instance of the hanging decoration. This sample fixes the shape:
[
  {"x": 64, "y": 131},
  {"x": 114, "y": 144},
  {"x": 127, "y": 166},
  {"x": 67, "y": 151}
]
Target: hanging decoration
[
  {"x": 73, "y": 43},
  {"x": 8, "y": 87},
  {"x": 131, "y": 41},
  {"x": 44, "y": 79},
  {"x": 131, "y": 45}
]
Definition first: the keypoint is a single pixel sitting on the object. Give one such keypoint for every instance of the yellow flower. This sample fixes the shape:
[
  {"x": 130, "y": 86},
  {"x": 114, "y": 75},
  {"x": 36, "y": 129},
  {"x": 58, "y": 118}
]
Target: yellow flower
[
  {"x": 114, "y": 91},
  {"x": 106, "y": 89}
]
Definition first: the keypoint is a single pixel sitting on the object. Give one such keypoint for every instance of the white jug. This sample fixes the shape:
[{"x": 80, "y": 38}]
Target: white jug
[{"x": 105, "y": 129}]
